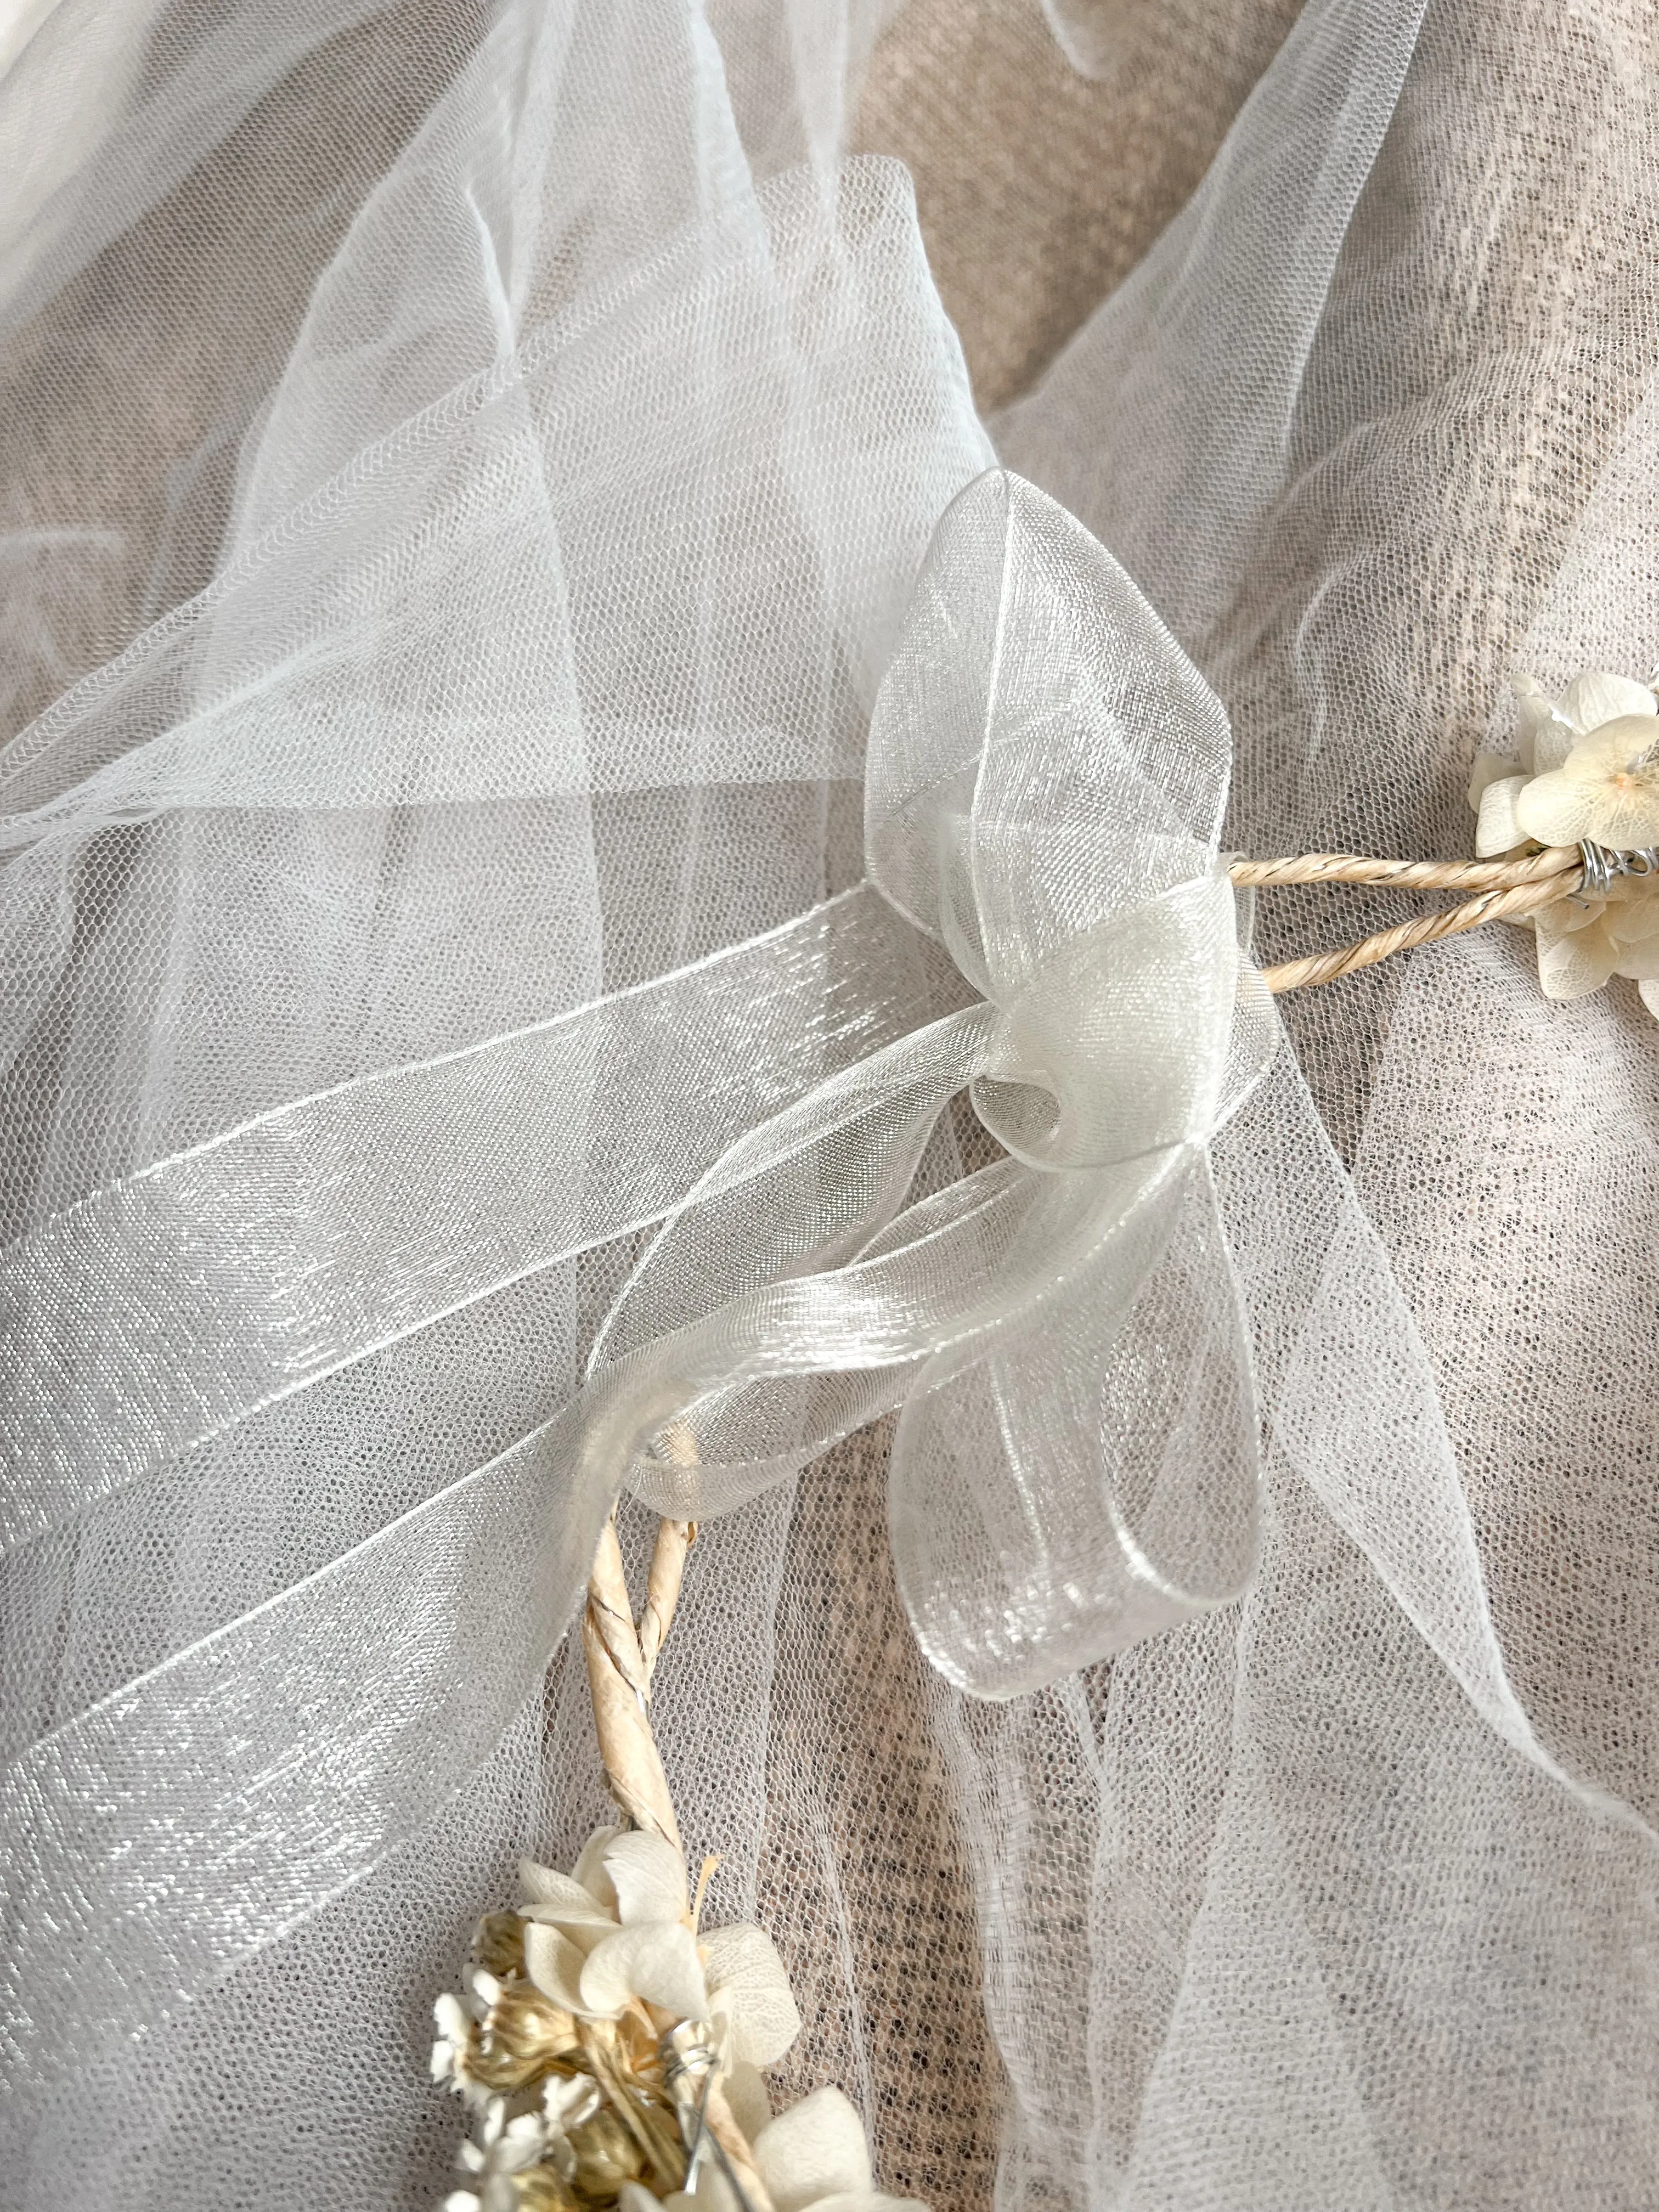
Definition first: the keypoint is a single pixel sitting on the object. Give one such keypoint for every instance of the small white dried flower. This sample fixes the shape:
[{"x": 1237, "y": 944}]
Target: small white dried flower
[
  {"x": 506, "y": 2148},
  {"x": 566, "y": 2101},
  {"x": 1582, "y": 770},
  {"x": 456, "y": 2050}
]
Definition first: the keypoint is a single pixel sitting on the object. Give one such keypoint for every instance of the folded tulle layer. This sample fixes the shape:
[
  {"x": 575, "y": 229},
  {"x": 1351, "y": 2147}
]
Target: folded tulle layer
[{"x": 491, "y": 979}]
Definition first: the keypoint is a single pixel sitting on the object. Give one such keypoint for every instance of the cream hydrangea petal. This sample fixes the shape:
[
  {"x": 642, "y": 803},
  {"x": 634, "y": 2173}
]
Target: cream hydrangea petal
[
  {"x": 1569, "y": 914},
  {"x": 815, "y": 2149},
  {"x": 1598, "y": 696},
  {"x": 747, "y": 1983},
  {"x": 1648, "y": 992},
  {"x": 745, "y": 2092},
  {"x": 1497, "y": 830},
  {"x": 463, "y": 2200},
  {"x": 1562, "y": 808},
  {"x": 1572, "y": 964},
  {"x": 1552, "y": 742},
  {"x": 635, "y": 2196},
  {"x": 585, "y": 1925},
  {"x": 655, "y": 1960},
  {"x": 1632, "y": 926},
  {"x": 1487, "y": 769},
  {"x": 712, "y": 2193},
  {"x": 1605, "y": 789},
  {"x": 648, "y": 1875},
  {"x": 1607, "y": 782},
  {"x": 567, "y": 1902},
  {"x": 552, "y": 1892},
  {"x": 590, "y": 1869},
  {"x": 554, "y": 1964}
]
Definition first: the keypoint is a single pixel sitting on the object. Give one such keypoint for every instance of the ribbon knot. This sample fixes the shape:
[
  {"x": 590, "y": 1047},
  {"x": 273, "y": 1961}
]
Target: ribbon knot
[
  {"x": 1116, "y": 1048},
  {"x": 1075, "y": 1462}
]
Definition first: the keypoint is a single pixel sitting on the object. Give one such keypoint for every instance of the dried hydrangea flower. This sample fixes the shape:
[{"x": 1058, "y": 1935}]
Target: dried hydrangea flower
[
  {"x": 1583, "y": 941},
  {"x": 1574, "y": 752},
  {"x": 1588, "y": 769},
  {"x": 812, "y": 2158},
  {"x": 618, "y": 1930},
  {"x": 1607, "y": 789}
]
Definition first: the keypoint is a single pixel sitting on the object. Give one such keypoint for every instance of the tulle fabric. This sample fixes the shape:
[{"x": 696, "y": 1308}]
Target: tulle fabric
[{"x": 489, "y": 891}]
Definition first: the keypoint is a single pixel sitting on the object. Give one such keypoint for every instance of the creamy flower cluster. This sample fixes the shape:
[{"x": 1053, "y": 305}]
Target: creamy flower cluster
[
  {"x": 1588, "y": 769},
  {"x": 555, "y": 2046}
]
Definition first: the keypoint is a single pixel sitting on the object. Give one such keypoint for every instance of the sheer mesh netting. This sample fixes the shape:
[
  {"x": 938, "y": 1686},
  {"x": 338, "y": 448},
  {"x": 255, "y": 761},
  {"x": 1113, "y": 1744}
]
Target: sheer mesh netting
[{"x": 556, "y": 795}]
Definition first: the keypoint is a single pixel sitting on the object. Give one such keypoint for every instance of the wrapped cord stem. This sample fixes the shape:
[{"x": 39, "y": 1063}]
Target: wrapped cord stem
[{"x": 1502, "y": 888}]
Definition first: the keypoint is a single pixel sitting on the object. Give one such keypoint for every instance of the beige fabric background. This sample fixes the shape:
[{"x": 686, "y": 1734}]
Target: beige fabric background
[{"x": 1039, "y": 189}]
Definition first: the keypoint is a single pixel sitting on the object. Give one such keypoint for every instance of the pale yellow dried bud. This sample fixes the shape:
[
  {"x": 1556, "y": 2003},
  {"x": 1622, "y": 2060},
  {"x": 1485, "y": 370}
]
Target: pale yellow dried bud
[
  {"x": 543, "y": 2190},
  {"x": 523, "y": 2038},
  {"x": 606, "y": 2155},
  {"x": 498, "y": 1943}
]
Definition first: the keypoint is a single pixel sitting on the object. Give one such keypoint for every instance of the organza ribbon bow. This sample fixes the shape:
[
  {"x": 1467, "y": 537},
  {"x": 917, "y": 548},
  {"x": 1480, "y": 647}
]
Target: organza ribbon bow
[{"x": 1075, "y": 1462}]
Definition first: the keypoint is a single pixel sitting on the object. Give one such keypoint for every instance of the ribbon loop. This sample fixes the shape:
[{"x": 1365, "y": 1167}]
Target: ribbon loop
[{"x": 1075, "y": 1465}]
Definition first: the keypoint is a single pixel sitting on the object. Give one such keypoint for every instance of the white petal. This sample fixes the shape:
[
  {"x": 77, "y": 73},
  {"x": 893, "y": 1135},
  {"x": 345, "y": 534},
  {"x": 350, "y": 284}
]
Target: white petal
[
  {"x": 817, "y": 2149},
  {"x": 1558, "y": 808},
  {"x": 568, "y": 2102},
  {"x": 1536, "y": 708},
  {"x": 589, "y": 1868},
  {"x": 656, "y": 1961},
  {"x": 522, "y": 2143},
  {"x": 1496, "y": 830},
  {"x": 635, "y": 2196},
  {"x": 649, "y": 1878},
  {"x": 1574, "y": 963},
  {"x": 554, "y": 1963},
  {"x": 564, "y": 1902},
  {"x": 470, "y": 2157},
  {"x": 1552, "y": 742},
  {"x": 745, "y": 2092},
  {"x": 747, "y": 1983},
  {"x": 1488, "y": 767},
  {"x": 450, "y": 2016},
  {"x": 462, "y": 2200},
  {"x": 712, "y": 2193},
  {"x": 1649, "y": 994},
  {"x": 1597, "y": 697}
]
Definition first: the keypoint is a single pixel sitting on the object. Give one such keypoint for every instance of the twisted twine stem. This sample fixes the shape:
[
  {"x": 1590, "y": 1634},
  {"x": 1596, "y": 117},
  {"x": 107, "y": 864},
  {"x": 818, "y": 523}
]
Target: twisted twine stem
[
  {"x": 621, "y": 1659},
  {"x": 1410, "y": 875},
  {"x": 1503, "y": 887}
]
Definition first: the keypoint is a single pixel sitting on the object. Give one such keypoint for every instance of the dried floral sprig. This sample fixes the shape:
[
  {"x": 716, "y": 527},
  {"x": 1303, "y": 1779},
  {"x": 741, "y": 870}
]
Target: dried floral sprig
[
  {"x": 1567, "y": 832},
  {"x": 609, "y": 2046}
]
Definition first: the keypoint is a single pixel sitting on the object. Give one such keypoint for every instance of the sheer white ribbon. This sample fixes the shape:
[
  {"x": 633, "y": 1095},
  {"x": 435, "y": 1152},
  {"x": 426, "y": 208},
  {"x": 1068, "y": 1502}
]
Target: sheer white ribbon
[{"x": 1046, "y": 777}]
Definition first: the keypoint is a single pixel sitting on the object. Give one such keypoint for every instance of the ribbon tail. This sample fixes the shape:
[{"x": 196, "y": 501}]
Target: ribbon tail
[{"x": 1088, "y": 1473}]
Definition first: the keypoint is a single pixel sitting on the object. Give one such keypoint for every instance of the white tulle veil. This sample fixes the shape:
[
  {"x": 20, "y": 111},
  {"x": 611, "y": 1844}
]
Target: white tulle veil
[{"x": 562, "y": 788}]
